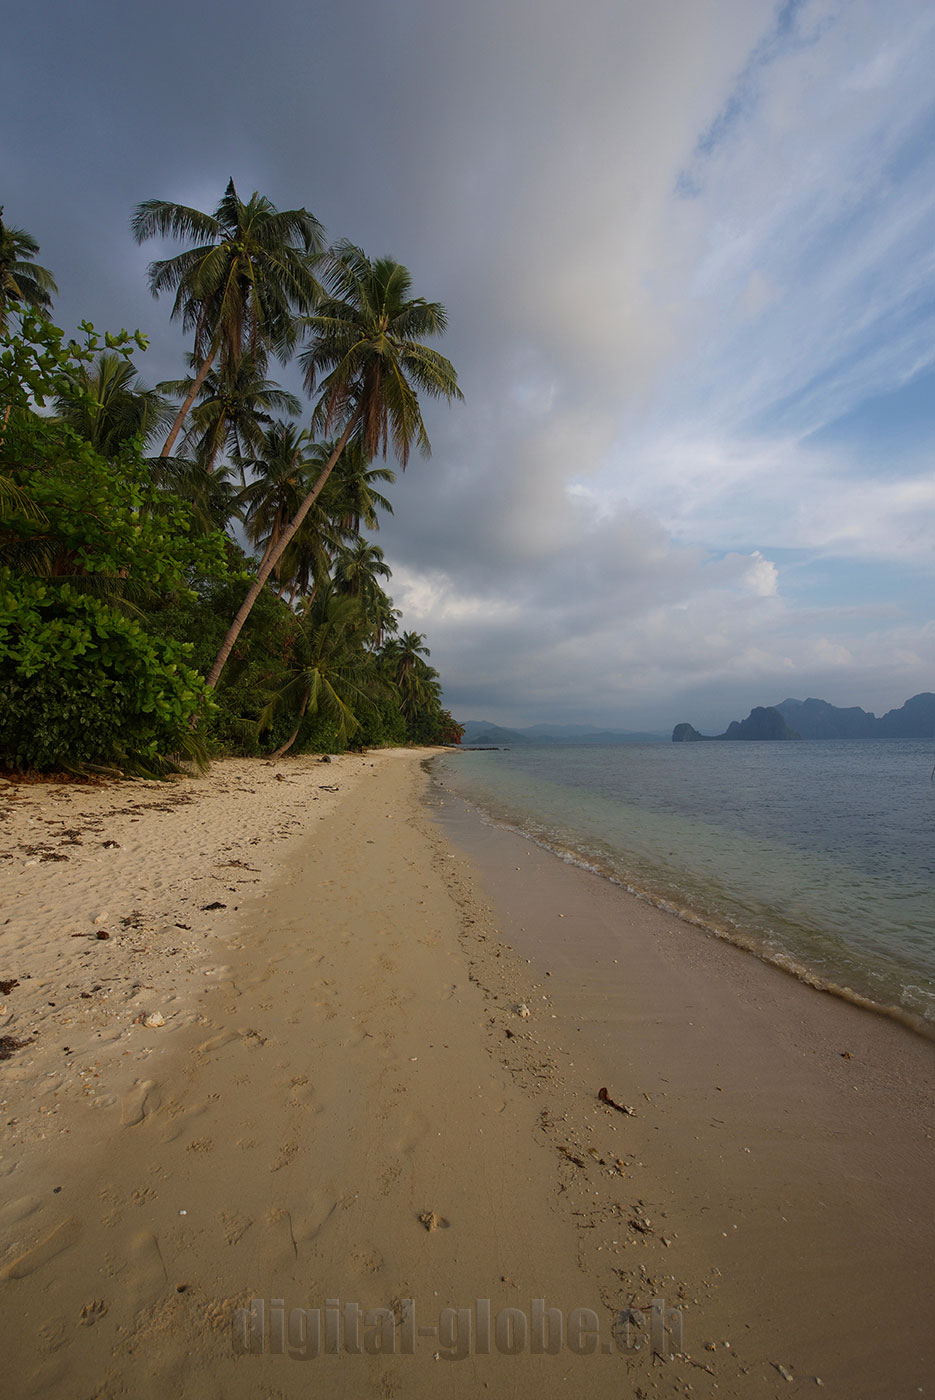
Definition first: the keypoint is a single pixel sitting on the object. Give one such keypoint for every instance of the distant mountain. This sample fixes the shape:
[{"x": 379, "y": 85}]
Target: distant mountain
[
  {"x": 913, "y": 720},
  {"x": 816, "y": 719},
  {"x": 559, "y": 731},
  {"x": 482, "y": 732},
  {"x": 763, "y": 722},
  {"x": 478, "y": 733}
]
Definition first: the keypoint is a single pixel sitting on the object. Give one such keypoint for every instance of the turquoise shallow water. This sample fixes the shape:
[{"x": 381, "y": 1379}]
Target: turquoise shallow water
[{"x": 819, "y": 855}]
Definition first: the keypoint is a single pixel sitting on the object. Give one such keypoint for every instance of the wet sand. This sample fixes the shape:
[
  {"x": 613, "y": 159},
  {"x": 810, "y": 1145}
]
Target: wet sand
[
  {"x": 359, "y": 1087},
  {"x": 784, "y": 1140}
]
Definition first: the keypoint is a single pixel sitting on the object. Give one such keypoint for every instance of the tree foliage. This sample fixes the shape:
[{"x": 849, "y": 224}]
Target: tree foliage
[
  {"x": 119, "y": 572},
  {"x": 85, "y": 540}
]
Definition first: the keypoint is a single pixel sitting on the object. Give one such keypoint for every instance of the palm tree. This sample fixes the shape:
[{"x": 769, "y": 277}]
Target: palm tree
[
  {"x": 235, "y": 403},
  {"x": 213, "y": 496},
  {"x": 305, "y": 563},
  {"x": 21, "y": 279},
  {"x": 107, "y": 404},
  {"x": 364, "y": 344},
  {"x": 357, "y": 568},
  {"x": 330, "y": 672},
  {"x": 242, "y": 284},
  {"x": 357, "y": 492},
  {"x": 280, "y": 472},
  {"x": 417, "y": 683}
]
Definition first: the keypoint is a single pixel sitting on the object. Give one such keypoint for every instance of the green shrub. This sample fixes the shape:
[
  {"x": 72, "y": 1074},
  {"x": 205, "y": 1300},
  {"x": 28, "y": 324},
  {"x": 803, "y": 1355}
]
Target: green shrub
[{"x": 82, "y": 683}]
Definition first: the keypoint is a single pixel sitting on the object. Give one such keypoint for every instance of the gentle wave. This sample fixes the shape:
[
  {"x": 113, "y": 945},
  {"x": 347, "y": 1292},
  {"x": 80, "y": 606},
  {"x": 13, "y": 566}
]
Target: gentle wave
[{"x": 851, "y": 931}]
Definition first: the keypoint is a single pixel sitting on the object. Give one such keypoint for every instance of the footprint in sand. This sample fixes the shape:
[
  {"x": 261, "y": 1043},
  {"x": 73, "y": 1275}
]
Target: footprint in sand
[
  {"x": 18, "y": 1210},
  {"x": 53, "y": 1333},
  {"x": 319, "y": 1208},
  {"x": 146, "y": 1278},
  {"x": 366, "y": 1261},
  {"x": 389, "y": 1178},
  {"x": 287, "y": 1151},
  {"x": 234, "y": 1225},
  {"x": 143, "y": 1099},
  {"x": 304, "y": 1096},
  {"x": 180, "y": 1119},
  {"x": 55, "y": 1242},
  {"x": 92, "y": 1311},
  {"x": 412, "y": 1128},
  {"x": 246, "y": 1033}
]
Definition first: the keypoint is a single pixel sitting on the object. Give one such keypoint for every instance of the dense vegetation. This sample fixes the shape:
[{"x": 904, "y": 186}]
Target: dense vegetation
[{"x": 221, "y": 597}]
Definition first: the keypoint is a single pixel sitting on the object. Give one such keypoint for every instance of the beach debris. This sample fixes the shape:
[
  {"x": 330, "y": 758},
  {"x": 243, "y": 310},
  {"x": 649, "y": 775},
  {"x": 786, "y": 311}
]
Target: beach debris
[
  {"x": 786, "y": 1375},
  {"x": 604, "y": 1097},
  {"x": 433, "y": 1222},
  {"x": 7, "y": 985},
  {"x": 521, "y": 1009},
  {"x": 101, "y": 918},
  {"x": 330, "y": 787},
  {"x": 111, "y": 845},
  {"x": 102, "y": 934},
  {"x": 215, "y": 904},
  {"x": 8, "y": 1044},
  {"x": 847, "y": 1054},
  {"x": 326, "y": 758},
  {"x": 154, "y": 1020},
  {"x": 567, "y": 1152}
]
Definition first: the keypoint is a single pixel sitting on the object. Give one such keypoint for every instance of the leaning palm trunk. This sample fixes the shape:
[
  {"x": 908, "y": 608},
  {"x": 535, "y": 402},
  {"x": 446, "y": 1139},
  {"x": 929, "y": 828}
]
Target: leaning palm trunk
[
  {"x": 284, "y": 748},
  {"x": 176, "y": 428},
  {"x": 273, "y": 556}
]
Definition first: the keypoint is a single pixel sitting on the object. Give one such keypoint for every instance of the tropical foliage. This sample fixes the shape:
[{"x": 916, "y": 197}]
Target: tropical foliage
[
  {"x": 22, "y": 281},
  {"x": 121, "y": 572}
]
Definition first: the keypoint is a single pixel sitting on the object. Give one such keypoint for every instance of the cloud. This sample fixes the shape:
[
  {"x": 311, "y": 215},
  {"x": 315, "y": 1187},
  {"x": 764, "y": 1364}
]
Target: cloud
[{"x": 653, "y": 382}]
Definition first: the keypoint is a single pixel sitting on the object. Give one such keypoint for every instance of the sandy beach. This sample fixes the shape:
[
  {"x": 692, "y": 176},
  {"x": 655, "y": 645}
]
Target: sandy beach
[{"x": 303, "y": 1062}]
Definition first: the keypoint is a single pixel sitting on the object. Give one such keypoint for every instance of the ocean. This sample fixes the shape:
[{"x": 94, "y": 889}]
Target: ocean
[{"x": 818, "y": 856}]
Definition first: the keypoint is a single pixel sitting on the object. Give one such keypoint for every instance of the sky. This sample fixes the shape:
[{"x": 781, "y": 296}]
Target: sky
[{"x": 687, "y": 250}]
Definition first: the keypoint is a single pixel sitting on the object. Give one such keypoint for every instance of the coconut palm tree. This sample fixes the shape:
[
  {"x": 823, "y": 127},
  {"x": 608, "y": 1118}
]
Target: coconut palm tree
[
  {"x": 107, "y": 403},
  {"x": 416, "y": 683},
  {"x": 22, "y": 281},
  {"x": 332, "y": 524},
  {"x": 213, "y": 496},
  {"x": 357, "y": 567},
  {"x": 305, "y": 564},
  {"x": 356, "y": 480},
  {"x": 370, "y": 365},
  {"x": 330, "y": 671},
  {"x": 235, "y": 404},
  {"x": 241, "y": 286},
  {"x": 277, "y": 485}
]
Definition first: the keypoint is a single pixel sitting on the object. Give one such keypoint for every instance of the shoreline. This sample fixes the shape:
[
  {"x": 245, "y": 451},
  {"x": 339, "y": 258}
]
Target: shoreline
[
  {"x": 747, "y": 943},
  {"x": 802, "y": 1123},
  {"x": 385, "y": 1091},
  {"x": 720, "y": 929}
]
